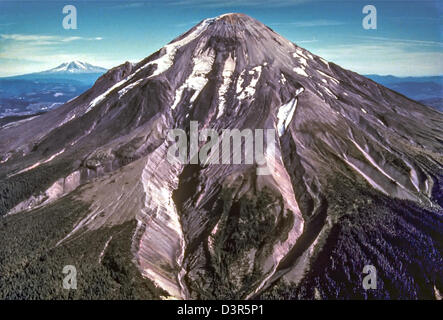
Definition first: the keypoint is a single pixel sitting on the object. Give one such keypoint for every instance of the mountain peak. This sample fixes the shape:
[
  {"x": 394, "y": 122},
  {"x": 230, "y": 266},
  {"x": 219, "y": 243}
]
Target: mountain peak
[
  {"x": 235, "y": 21},
  {"x": 234, "y": 17},
  {"x": 76, "y": 66},
  {"x": 345, "y": 157}
]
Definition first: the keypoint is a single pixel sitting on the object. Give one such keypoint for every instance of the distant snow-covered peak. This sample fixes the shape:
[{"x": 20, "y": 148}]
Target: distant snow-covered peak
[{"x": 76, "y": 67}]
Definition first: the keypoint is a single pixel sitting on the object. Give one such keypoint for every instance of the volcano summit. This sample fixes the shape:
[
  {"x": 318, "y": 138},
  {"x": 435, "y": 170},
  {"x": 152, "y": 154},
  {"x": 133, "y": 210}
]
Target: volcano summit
[{"x": 356, "y": 179}]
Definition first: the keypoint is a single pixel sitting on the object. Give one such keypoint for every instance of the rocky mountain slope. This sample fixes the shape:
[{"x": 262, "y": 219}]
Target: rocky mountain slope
[{"x": 356, "y": 179}]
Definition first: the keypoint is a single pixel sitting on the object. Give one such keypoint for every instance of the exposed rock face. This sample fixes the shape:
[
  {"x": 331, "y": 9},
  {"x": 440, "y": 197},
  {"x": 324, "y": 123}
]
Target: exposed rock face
[
  {"x": 59, "y": 188},
  {"x": 222, "y": 231}
]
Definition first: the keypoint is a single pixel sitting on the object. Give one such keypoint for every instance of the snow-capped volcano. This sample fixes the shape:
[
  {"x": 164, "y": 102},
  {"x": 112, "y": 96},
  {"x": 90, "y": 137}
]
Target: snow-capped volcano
[
  {"x": 75, "y": 67},
  {"x": 35, "y": 92},
  {"x": 356, "y": 178}
]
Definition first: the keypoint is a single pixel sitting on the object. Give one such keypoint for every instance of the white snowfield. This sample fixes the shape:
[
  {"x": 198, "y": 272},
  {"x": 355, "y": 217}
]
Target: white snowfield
[
  {"x": 300, "y": 70},
  {"x": 198, "y": 79},
  {"x": 286, "y": 113},
  {"x": 228, "y": 70}
]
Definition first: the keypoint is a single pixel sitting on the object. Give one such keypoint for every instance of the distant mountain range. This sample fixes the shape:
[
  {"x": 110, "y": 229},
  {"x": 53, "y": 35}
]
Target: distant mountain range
[
  {"x": 427, "y": 90},
  {"x": 41, "y": 91}
]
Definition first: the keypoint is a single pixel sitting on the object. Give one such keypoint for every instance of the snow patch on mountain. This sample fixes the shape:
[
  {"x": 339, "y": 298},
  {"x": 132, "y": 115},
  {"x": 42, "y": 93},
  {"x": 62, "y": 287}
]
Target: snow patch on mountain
[
  {"x": 286, "y": 113},
  {"x": 198, "y": 78},
  {"x": 101, "y": 97},
  {"x": 283, "y": 79},
  {"x": 299, "y": 53},
  {"x": 302, "y": 58},
  {"x": 300, "y": 70},
  {"x": 249, "y": 91},
  {"x": 228, "y": 70},
  {"x": 68, "y": 118},
  {"x": 324, "y": 61},
  {"x": 329, "y": 77},
  {"x": 284, "y": 116},
  {"x": 330, "y": 93},
  {"x": 125, "y": 90}
]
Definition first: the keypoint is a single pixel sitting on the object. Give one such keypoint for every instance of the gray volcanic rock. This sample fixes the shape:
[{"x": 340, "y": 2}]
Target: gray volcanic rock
[{"x": 356, "y": 179}]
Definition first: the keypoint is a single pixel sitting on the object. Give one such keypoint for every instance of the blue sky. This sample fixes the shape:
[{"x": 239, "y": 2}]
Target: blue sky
[{"x": 407, "y": 42}]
